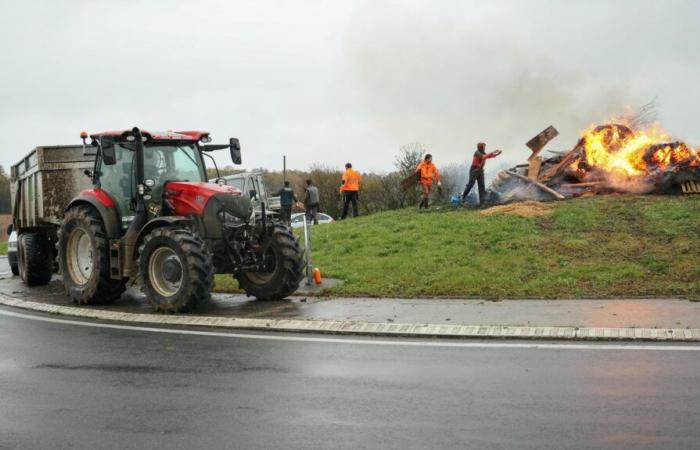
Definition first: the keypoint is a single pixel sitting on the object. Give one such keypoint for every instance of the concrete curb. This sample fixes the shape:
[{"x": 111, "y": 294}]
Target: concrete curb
[{"x": 369, "y": 328}]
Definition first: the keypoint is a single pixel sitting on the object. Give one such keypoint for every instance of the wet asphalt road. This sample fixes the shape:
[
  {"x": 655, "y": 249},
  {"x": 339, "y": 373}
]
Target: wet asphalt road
[{"x": 69, "y": 386}]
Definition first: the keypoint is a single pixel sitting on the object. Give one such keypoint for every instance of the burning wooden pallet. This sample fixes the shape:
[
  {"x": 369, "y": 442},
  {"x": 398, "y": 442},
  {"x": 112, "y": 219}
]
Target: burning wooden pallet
[
  {"x": 691, "y": 187},
  {"x": 608, "y": 158}
]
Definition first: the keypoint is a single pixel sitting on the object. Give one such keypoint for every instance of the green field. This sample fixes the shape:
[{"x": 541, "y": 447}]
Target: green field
[
  {"x": 613, "y": 246},
  {"x": 3, "y": 248}
]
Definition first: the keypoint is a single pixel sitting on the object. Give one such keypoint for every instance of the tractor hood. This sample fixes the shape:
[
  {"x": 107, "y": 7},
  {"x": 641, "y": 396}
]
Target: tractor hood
[{"x": 186, "y": 198}]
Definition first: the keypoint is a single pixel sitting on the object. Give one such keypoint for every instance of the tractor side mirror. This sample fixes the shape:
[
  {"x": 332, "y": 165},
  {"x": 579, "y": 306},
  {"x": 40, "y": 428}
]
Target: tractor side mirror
[
  {"x": 253, "y": 194},
  {"x": 10, "y": 227},
  {"x": 109, "y": 156},
  {"x": 235, "y": 145}
]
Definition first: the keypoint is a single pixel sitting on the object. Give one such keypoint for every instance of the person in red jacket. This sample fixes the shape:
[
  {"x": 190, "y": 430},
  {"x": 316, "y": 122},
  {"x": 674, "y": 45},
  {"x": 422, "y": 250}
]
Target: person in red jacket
[{"x": 476, "y": 171}]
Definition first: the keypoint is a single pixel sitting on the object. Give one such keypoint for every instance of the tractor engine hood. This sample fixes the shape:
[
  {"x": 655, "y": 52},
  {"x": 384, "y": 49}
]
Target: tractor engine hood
[{"x": 187, "y": 198}]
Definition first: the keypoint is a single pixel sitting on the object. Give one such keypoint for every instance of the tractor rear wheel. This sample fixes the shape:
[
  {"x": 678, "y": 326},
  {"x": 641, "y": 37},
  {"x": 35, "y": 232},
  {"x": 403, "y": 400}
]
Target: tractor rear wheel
[
  {"x": 83, "y": 251},
  {"x": 176, "y": 269},
  {"x": 284, "y": 268},
  {"x": 34, "y": 259}
]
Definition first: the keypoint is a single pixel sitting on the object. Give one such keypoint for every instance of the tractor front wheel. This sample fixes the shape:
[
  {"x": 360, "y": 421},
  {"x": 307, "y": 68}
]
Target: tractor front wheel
[
  {"x": 283, "y": 268},
  {"x": 176, "y": 269},
  {"x": 83, "y": 254}
]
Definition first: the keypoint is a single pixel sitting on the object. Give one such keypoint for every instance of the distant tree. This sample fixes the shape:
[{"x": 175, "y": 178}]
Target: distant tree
[
  {"x": 410, "y": 155},
  {"x": 327, "y": 180},
  {"x": 5, "y": 203}
]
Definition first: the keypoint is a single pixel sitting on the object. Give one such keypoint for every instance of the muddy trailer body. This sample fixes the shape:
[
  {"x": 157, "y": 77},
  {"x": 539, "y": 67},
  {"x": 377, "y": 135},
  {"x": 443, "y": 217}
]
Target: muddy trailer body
[
  {"x": 44, "y": 182},
  {"x": 42, "y": 185}
]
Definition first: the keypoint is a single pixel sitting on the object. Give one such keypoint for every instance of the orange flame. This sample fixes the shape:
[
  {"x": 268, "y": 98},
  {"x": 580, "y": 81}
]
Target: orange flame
[{"x": 617, "y": 149}]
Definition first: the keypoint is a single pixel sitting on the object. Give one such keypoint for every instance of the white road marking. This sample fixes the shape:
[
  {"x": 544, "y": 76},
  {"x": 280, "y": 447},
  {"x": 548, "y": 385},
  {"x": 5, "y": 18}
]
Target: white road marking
[{"x": 341, "y": 340}]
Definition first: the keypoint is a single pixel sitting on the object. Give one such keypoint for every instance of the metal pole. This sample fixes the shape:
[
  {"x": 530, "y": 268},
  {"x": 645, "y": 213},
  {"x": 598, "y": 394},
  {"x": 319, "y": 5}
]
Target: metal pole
[
  {"x": 284, "y": 168},
  {"x": 307, "y": 250}
]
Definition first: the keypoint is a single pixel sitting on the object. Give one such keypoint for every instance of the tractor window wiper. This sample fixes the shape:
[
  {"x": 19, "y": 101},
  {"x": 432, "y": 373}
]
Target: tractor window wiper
[{"x": 187, "y": 154}]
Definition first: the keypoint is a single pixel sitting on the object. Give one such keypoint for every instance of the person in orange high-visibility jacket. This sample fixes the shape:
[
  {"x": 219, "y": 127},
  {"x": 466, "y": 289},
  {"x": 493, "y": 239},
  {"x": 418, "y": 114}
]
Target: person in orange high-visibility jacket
[
  {"x": 350, "y": 190},
  {"x": 427, "y": 173}
]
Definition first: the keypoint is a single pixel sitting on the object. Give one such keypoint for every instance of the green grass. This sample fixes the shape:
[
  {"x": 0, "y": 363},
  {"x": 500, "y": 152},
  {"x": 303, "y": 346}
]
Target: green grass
[
  {"x": 613, "y": 246},
  {"x": 3, "y": 248}
]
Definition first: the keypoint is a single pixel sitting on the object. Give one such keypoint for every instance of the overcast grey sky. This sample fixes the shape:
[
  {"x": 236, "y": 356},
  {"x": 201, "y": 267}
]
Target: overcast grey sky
[{"x": 332, "y": 81}]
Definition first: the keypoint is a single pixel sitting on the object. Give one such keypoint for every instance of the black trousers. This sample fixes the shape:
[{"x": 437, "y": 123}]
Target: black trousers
[
  {"x": 349, "y": 197},
  {"x": 312, "y": 213},
  {"x": 286, "y": 213},
  {"x": 476, "y": 176}
]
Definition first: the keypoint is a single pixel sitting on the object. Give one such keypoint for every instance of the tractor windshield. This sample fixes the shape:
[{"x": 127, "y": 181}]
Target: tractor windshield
[{"x": 173, "y": 162}]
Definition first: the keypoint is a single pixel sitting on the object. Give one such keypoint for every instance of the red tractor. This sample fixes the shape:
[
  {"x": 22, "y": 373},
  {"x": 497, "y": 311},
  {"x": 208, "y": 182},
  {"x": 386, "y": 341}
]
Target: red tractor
[{"x": 152, "y": 215}]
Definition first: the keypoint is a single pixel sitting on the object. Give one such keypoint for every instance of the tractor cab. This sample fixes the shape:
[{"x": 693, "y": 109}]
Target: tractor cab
[{"x": 165, "y": 157}]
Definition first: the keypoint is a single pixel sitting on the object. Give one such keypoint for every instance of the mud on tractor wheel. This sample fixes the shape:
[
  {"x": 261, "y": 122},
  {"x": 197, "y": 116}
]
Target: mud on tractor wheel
[
  {"x": 83, "y": 252},
  {"x": 283, "y": 268},
  {"x": 35, "y": 258},
  {"x": 176, "y": 269}
]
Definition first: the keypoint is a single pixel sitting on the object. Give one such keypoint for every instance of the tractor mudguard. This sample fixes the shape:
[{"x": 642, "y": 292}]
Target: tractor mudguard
[
  {"x": 110, "y": 215},
  {"x": 159, "y": 222}
]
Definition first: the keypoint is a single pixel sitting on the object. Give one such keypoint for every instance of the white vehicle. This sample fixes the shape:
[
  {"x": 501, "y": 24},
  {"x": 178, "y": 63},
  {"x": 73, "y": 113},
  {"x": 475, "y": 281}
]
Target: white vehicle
[
  {"x": 252, "y": 184},
  {"x": 12, "y": 250},
  {"x": 298, "y": 219}
]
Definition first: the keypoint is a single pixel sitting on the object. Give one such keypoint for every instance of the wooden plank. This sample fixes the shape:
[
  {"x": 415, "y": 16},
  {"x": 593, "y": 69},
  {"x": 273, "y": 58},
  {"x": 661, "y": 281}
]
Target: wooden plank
[
  {"x": 533, "y": 170},
  {"x": 539, "y": 185},
  {"x": 567, "y": 160},
  {"x": 537, "y": 143},
  {"x": 410, "y": 181}
]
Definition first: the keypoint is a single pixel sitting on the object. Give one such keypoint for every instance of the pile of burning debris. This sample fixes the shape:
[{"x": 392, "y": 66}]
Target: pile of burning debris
[{"x": 614, "y": 157}]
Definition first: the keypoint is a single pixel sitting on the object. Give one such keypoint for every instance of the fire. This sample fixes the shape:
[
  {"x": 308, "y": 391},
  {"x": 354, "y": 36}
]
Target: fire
[{"x": 621, "y": 151}]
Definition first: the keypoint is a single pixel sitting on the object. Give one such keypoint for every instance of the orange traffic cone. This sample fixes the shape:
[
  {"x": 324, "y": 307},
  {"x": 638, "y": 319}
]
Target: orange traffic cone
[{"x": 317, "y": 276}]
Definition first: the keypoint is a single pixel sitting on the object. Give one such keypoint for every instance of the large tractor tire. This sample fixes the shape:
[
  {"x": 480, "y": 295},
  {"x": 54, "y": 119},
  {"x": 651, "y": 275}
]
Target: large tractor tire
[
  {"x": 14, "y": 265},
  {"x": 83, "y": 255},
  {"x": 34, "y": 258},
  {"x": 176, "y": 269},
  {"x": 284, "y": 268}
]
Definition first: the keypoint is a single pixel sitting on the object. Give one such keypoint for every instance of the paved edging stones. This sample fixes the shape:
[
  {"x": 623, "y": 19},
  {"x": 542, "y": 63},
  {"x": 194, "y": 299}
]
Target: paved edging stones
[{"x": 359, "y": 328}]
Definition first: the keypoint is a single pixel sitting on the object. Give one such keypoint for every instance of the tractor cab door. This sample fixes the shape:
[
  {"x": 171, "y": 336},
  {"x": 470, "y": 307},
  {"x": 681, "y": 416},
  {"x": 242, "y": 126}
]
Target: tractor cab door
[{"x": 117, "y": 180}]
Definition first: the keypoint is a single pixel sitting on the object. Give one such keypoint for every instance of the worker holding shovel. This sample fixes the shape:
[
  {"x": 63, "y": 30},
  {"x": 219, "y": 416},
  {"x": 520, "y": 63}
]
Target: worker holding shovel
[
  {"x": 427, "y": 173},
  {"x": 476, "y": 172}
]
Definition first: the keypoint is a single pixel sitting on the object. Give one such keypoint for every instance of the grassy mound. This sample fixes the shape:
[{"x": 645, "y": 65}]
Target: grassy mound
[{"x": 613, "y": 246}]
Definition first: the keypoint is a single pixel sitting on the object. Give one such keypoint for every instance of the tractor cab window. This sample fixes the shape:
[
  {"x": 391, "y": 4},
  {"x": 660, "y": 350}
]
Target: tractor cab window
[
  {"x": 116, "y": 179},
  {"x": 238, "y": 183},
  {"x": 172, "y": 163}
]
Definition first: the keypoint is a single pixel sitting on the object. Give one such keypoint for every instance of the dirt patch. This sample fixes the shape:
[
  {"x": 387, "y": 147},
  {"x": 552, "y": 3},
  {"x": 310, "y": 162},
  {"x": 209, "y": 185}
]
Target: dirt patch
[{"x": 522, "y": 209}]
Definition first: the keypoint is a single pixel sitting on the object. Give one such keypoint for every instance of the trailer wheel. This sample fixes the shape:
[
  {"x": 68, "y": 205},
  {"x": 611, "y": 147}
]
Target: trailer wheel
[
  {"x": 34, "y": 259},
  {"x": 83, "y": 251},
  {"x": 176, "y": 268},
  {"x": 284, "y": 268}
]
